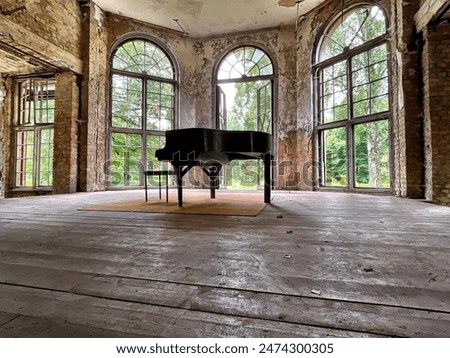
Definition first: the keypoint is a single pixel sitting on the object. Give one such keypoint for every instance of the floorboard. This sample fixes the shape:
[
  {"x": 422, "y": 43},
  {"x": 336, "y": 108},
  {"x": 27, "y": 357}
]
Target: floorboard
[{"x": 311, "y": 264}]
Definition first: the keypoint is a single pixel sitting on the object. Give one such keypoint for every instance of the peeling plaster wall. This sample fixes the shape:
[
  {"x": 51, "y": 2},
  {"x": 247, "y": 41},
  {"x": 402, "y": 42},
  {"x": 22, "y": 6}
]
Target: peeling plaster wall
[{"x": 280, "y": 45}]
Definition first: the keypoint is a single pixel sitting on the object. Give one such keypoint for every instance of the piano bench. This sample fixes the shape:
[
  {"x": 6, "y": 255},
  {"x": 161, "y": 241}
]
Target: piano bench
[{"x": 159, "y": 173}]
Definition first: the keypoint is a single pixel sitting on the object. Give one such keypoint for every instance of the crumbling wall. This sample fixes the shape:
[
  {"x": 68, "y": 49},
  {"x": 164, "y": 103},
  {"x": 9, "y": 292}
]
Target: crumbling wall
[
  {"x": 94, "y": 100},
  {"x": 197, "y": 59},
  {"x": 407, "y": 118},
  {"x": 49, "y": 34},
  {"x": 280, "y": 45},
  {"x": 436, "y": 69},
  {"x": 4, "y": 142},
  {"x": 65, "y": 168},
  {"x": 50, "y": 30}
]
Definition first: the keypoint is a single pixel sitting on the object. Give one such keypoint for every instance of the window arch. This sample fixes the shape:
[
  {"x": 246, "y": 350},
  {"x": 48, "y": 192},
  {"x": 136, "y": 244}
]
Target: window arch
[
  {"x": 244, "y": 101},
  {"x": 143, "y": 96},
  {"x": 244, "y": 85},
  {"x": 352, "y": 101}
]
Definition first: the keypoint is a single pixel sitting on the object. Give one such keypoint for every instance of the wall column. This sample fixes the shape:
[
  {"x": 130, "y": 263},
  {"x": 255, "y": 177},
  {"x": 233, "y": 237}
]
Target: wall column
[
  {"x": 436, "y": 69},
  {"x": 65, "y": 164}
]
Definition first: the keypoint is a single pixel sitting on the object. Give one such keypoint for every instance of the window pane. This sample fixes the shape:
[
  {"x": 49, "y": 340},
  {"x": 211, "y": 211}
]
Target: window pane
[
  {"x": 370, "y": 82},
  {"x": 246, "y": 61},
  {"x": 248, "y": 106},
  {"x": 160, "y": 105},
  {"x": 154, "y": 143},
  {"x": 353, "y": 29},
  {"x": 143, "y": 57},
  {"x": 335, "y": 157},
  {"x": 334, "y": 93},
  {"x": 372, "y": 155},
  {"x": 126, "y": 163},
  {"x": 126, "y": 102},
  {"x": 46, "y": 158},
  {"x": 36, "y": 102},
  {"x": 24, "y": 158}
]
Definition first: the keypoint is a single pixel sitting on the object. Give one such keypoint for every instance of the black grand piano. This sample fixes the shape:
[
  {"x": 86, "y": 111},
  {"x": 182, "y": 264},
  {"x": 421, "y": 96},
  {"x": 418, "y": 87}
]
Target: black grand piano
[{"x": 210, "y": 149}]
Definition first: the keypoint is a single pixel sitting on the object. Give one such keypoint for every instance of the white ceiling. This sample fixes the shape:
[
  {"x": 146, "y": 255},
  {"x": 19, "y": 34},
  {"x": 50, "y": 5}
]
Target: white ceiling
[{"x": 203, "y": 18}]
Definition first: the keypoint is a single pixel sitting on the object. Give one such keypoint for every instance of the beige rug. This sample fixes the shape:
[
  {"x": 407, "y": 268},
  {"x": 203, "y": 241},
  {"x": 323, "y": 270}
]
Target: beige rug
[{"x": 239, "y": 204}]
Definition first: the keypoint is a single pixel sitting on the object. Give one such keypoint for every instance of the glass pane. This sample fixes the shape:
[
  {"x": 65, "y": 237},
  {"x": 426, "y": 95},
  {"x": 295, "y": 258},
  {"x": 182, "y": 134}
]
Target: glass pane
[
  {"x": 24, "y": 158},
  {"x": 353, "y": 29},
  {"x": 126, "y": 165},
  {"x": 37, "y": 101},
  {"x": 248, "y": 106},
  {"x": 335, "y": 157},
  {"x": 372, "y": 155},
  {"x": 46, "y": 158},
  {"x": 370, "y": 82},
  {"x": 140, "y": 56},
  {"x": 243, "y": 175},
  {"x": 334, "y": 98},
  {"x": 155, "y": 142},
  {"x": 126, "y": 102},
  {"x": 245, "y": 61},
  {"x": 160, "y": 105}
]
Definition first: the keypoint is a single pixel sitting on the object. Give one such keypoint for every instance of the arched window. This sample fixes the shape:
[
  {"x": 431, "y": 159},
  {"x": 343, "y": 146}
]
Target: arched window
[
  {"x": 143, "y": 87},
  {"x": 244, "y": 88},
  {"x": 352, "y": 101}
]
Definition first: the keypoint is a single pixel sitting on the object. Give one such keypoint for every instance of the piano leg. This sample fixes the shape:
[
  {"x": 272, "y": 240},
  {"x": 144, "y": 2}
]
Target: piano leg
[
  {"x": 267, "y": 176},
  {"x": 212, "y": 171},
  {"x": 179, "y": 171}
]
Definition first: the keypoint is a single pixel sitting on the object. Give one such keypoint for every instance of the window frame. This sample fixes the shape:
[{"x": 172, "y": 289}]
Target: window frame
[
  {"x": 143, "y": 131},
  {"x": 36, "y": 128},
  {"x": 272, "y": 80},
  {"x": 351, "y": 121}
]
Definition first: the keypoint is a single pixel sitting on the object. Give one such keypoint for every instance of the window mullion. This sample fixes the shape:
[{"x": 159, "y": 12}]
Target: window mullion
[
  {"x": 36, "y": 155},
  {"x": 350, "y": 134},
  {"x": 144, "y": 127}
]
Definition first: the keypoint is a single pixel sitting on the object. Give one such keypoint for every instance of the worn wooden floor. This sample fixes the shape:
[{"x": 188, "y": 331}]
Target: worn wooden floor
[{"x": 310, "y": 265}]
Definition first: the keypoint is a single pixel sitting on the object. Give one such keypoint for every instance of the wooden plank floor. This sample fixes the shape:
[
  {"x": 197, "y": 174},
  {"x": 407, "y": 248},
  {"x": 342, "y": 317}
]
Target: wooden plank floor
[{"x": 310, "y": 265}]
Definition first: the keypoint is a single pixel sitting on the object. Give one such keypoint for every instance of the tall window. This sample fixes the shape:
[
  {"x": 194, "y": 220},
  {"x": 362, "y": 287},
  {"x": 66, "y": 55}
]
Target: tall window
[
  {"x": 244, "y": 102},
  {"x": 352, "y": 101},
  {"x": 143, "y": 82},
  {"x": 33, "y": 128}
]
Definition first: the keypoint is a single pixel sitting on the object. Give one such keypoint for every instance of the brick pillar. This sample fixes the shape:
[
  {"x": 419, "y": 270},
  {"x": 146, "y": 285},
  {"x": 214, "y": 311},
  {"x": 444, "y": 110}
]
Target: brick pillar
[
  {"x": 93, "y": 128},
  {"x": 3, "y": 119},
  {"x": 406, "y": 103},
  {"x": 65, "y": 164},
  {"x": 436, "y": 70}
]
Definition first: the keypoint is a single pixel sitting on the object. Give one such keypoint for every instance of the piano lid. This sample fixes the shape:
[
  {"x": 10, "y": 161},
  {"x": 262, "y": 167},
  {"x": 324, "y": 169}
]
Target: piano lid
[{"x": 214, "y": 144}]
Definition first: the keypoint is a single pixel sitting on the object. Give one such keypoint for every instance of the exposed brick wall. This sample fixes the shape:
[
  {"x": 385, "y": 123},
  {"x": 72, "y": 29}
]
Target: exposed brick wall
[
  {"x": 407, "y": 120},
  {"x": 3, "y": 141},
  {"x": 5, "y": 135},
  {"x": 436, "y": 68},
  {"x": 66, "y": 134},
  {"x": 50, "y": 31},
  {"x": 93, "y": 127},
  {"x": 57, "y": 22}
]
